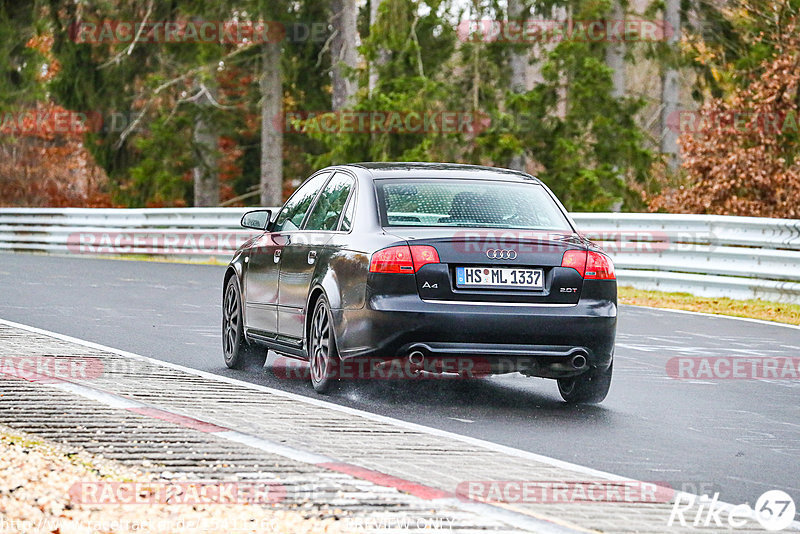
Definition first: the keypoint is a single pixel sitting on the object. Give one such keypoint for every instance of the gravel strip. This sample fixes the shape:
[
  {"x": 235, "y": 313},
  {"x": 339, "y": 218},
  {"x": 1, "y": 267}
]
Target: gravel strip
[{"x": 44, "y": 488}]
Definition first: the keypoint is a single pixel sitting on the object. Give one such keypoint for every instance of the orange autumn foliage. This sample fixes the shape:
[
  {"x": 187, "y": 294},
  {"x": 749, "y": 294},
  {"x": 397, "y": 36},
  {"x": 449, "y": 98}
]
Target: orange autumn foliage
[
  {"x": 744, "y": 159},
  {"x": 45, "y": 163}
]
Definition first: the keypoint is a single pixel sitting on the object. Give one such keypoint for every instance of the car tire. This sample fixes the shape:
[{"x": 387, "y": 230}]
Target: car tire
[
  {"x": 323, "y": 358},
  {"x": 239, "y": 354},
  {"x": 590, "y": 387}
]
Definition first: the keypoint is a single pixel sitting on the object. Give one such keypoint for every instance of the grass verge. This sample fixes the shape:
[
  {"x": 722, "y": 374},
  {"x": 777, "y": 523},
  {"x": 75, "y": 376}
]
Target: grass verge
[{"x": 753, "y": 309}]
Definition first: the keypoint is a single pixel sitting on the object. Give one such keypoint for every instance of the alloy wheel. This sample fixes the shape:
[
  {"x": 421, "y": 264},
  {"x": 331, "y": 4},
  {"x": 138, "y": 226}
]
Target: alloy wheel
[
  {"x": 230, "y": 320},
  {"x": 320, "y": 344}
]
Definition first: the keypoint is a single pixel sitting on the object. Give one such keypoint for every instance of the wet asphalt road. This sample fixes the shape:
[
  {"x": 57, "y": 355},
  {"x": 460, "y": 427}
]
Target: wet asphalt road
[{"x": 738, "y": 437}]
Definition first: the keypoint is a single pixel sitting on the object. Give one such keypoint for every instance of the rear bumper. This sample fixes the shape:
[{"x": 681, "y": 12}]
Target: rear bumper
[{"x": 541, "y": 339}]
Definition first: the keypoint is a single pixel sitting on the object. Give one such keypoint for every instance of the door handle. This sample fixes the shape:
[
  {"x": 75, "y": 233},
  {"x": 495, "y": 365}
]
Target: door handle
[
  {"x": 277, "y": 256},
  {"x": 312, "y": 257}
]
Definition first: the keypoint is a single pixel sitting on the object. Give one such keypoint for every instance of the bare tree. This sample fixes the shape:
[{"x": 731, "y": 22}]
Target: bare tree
[
  {"x": 520, "y": 62},
  {"x": 615, "y": 53},
  {"x": 670, "y": 88},
  {"x": 204, "y": 145},
  {"x": 476, "y": 60},
  {"x": 344, "y": 52},
  {"x": 383, "y": 55},
  {"x": 271, "y": 184}
]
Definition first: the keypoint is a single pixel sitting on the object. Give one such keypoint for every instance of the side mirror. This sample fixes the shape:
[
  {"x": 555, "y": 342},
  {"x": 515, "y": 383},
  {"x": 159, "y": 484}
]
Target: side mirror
[{"x": 257, "y": 219}]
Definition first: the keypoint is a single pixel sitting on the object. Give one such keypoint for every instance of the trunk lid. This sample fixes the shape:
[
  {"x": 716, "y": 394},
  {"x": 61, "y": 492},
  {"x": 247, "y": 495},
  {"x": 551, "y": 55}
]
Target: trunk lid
[{"x": 502, "y": 255}]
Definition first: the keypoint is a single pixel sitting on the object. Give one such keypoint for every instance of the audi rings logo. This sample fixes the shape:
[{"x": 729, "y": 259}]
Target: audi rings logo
[{"x": 501, "y": 254}]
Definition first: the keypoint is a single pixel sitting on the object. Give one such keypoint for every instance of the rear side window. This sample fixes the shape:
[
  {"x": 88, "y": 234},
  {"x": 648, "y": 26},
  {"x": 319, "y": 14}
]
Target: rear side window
[
  {"x": 327, "y": 211},
  {"x": 470, "y": 203},
  {"x": 294, "y": 211}
]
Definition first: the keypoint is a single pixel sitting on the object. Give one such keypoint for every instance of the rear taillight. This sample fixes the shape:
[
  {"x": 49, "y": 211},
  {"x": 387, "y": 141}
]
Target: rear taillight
[
  {"x": 575, "y": 259},
  {"x": 590, "y": 265},
  {"x": 599, "y": 267},
  {"x": 392, "y": 260},
  {"x": 423, "y": 255},
  {"x": 403, "y": 259}
]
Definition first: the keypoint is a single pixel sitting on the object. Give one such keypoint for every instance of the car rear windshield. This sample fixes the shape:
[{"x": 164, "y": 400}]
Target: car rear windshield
[{"x": 475, "y": 203}]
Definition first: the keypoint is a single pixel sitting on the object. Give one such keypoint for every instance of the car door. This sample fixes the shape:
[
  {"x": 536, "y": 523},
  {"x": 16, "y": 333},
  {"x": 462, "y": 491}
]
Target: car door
[
  {"x": 263, "y": 261},
  {"x": 304, "y": 249}
]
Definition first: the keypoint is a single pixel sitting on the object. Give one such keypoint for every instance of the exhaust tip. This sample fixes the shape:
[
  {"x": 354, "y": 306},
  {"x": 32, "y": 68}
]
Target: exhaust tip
[
  {"x": 416, "y": 357},
  {"x": 579, "y": 361}
]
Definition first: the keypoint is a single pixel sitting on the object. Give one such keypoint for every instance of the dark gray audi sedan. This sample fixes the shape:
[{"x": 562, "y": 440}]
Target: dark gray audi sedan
[{"x": 427, "y": 270}]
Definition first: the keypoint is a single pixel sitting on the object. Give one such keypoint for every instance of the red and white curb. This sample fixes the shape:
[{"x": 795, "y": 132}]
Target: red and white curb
[
  {"x": 437, "y": 497},
  {"x": 523, "y": 520}
]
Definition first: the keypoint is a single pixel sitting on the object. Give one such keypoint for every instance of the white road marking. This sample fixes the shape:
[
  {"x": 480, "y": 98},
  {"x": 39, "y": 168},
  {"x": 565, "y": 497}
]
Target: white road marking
[
  {"x": 554, "y": 462},
  {"x": 496, "y": 447},
  {"x": 716, "y": 316},
  {"x": 110, "y": 400}
]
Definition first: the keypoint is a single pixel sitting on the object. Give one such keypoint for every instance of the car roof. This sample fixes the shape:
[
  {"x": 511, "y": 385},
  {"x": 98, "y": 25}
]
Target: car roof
[{"x": 403, "y": 169}]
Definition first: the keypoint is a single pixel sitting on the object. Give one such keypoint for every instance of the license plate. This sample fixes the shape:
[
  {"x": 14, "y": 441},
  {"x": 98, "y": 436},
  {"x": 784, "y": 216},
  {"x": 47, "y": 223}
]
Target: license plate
[{"x": 506, "y": 277}]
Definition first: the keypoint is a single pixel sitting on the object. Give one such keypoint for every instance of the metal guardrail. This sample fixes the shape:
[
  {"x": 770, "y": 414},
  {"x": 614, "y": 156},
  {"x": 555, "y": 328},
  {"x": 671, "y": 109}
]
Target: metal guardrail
[
  {"x": 175, "y": 232},
  {"x": 709, "y": 255}
]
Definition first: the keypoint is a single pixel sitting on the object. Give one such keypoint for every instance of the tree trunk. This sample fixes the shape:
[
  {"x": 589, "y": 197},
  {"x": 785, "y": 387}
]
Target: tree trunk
[
  {"x": 344, "y": 54},
  {"x": 670, "y": 88},
  {"x": 271, "y": 185},
  {"x": 562, "y": 15},
  {"x": 383, "y": 56},
  {"x": 476, "y": 61},
  {"x": 519, "y": 59},
  {"x": 204, "y": 145},
  {"x": 615, "y": 54},
  {"x": 519, "y": 62}
]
